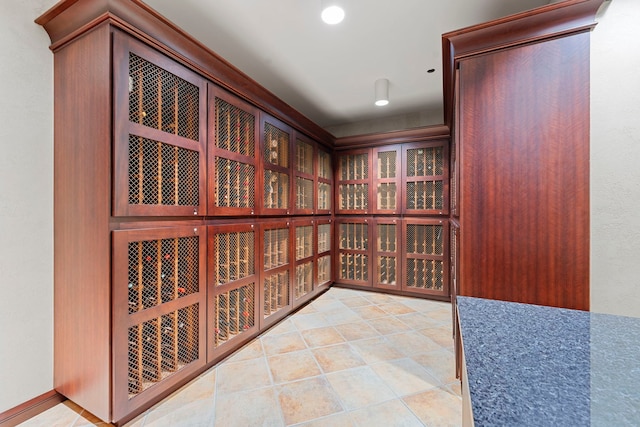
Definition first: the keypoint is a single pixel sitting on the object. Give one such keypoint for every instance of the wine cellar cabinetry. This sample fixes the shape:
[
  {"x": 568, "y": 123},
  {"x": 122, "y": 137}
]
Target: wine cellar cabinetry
[
  {"x": 425, "y": 262},
  {"x": 324, "y": 237},
  {"x": 353, "y": 182},
  {"x": 304, "y": 172},
  {"x": 386, "y": 164},
  {"x": 324, "y": 183},
  {"x": 426, "y": 178},
  {"x": 387, "y": 250},
  {"x": 353, "y": 251},
  {"x": 276, "y": 164},
  {"x": 276, "y": 270}
]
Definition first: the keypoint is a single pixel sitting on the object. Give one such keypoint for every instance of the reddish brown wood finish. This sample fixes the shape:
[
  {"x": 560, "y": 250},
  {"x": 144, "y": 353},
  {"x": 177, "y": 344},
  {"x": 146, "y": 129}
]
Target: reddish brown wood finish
[
  {"x": 426, "y": 133},
  {"x": 395, "y": 151},
  {"x": 82, "y": 253},
  {"x": 312, "y": 176},
  {"x": 70, "y": 18},
  {"x": 404, "y": 206},
  {"x": 382, "y": 250},
  {"x": 339, "y": 165},
  {"x": 524, "y": 145},
  {"x": 29, "y": 409},
  {"x": 266, "y": 119}
]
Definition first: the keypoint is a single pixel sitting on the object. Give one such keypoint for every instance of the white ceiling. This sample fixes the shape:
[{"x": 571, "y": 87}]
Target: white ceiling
[{"x": 328, "y": 72}]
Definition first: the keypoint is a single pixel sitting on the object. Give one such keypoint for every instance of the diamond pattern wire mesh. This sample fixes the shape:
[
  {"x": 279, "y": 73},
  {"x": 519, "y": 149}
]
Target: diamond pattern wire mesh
[
  {"x": 324, "y": 269},
  {"x": 162, "y": 174},
  {"x": 354, "y": 236},
  {"x": 354, "y": 166},
  {"x": 324, "y": 238},
  {"x": 276, "y": 146},
  {"x": 387, "y": 238},
  {"x": 425, "y": 161},
  {"x": 387, "y": 164},
  {"x": 424, "y": 274},
  {"x": 161, "y": 271},
  {"x": 234, "y": 256},
  {"x": 324, "y": 196},
  {"x": 304, "y": 279},
  {"x": 235, "y": 313},
  {"x": 276, "y": 292},
  {"x": 161, "y": 100},
  {"x": 387, "y": 196},
  {"x": 304, "y": 242},
  {"x": 324, "y": 165},
  {"x": 162, "y": 346},
  {"x": 424, "y": 239},
  {"x": 354, "y": 267},
  {"x": 235, "y": 129},
  {"x": 276, "y": 190},
  {"x": 235, "y": 184},
  {"x": 304, "y": 157},
  {"x": 304, "y": 193},
  {"x": 354, "y": 196},
  {"x": 425, "y": 195},
  {"x": 387, "y": 270},
  {"x": 276, "y": 247}
]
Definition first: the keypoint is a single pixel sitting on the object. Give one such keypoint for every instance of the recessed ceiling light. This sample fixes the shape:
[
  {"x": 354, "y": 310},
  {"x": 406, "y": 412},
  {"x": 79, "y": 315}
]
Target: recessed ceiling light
[{"x": 332, "y": 13}]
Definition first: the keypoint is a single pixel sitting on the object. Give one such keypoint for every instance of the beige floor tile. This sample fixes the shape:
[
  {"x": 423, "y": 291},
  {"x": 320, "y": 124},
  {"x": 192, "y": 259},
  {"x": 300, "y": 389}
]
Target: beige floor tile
[
  {"x": 369, "y": 312},
  {"x": 339, "y": 420},
  {"x": 442, "y": 335},
  {"x": 309, "y": 321},
  {"x": 405, "y": 376},
  {"x": 321, "y": 337},
  {"x": 340, "y": 293},
  {"x": 341, "y": 316},
  {"x": 377, "y": 298},
  {"x": 193, "y": 414},
  {"x": 337, "y": 357},
  {"x": 396, "y": 308},
  {"x": 355, "y": 301},
  {"x": 61, "y": 415},
  {"x": 285, "y": 326},
  {"x": 437, "y": 407},
  {"x": 388, "y": 325},
  {"x": 359, "y": 387},
  {"x": 418, "y": 320},
  {"x": 252, "y": 350},
  {"x": 412, "y": 342},
  {"x": 283, "y": 343},
  {"x": 425, "y": 305},
  {"x": 357, "y": 331},
  {"x": 293, "y": 366},
  {"x": 329, "y": 304},
  {"x": 456, "y": 388},
  {"x": 388, "y": 414},
  {"x": 376, "y": 350},
  {"x": 249, "y": 408},
  {"x": 307, "y": 400},
  {"x": 241, "y": 376},
  {"x": 308, "y": 309},
  {"x": 440, "y": 363}
]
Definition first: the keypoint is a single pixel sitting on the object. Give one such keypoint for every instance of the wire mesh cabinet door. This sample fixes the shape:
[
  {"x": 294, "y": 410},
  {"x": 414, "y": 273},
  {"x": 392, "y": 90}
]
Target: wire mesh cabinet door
[
  {"x": 425, "y": 257},
  {"x": 386, "y": 179},
  {"x": 354, "y": 254},
  {"x": 304, "y": 171},
  {"x": 324, "y": 252},
  {"x": 232, "y": 285},
  {"x": 425, "y": 178},
  {"x": 354, "y": 182},
  {"x": 233, "y": 138},
  {"x": 304, "y": 265},
  {"x": 276, "y": 163},
  {"x": 158, "y": 311},
  {"x": 387, "y": 247},
  {"x": 160, "y": 134},
  {"x": 324, "y": 197},
  {"x": 278, "y": 257}
]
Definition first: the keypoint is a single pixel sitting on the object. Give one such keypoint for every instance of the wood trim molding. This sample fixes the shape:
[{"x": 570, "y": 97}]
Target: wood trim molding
[
  {"x": 135, "y": 17},
  {"x": 29, "y": 409},
  {"x": 552, "y": 20},
  {"x": 425, "y": 133}
]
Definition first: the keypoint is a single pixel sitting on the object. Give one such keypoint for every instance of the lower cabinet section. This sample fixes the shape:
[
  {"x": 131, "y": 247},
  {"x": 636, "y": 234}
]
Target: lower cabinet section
[{"x": 405, "y": 255}]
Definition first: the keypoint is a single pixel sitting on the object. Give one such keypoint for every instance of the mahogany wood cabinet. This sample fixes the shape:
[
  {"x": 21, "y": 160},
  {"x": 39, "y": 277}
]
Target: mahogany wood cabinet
[
  {"x": 176, "y": 179},
  {"x": 517, "y": 101}
]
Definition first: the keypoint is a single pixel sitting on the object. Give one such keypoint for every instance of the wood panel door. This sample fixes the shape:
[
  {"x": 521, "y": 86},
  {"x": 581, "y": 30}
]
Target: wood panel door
[{"x": 524, "y": 179}]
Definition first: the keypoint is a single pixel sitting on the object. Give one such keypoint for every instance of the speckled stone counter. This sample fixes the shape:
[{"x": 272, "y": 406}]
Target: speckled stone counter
[{"x": 542, "y": 366}]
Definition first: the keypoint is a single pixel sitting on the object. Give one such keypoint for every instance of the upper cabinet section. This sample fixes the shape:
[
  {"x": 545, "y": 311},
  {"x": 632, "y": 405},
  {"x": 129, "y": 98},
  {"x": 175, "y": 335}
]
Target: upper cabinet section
[
  {"x": 159, "y": 146},
  {"x": 325, "y": 182},
  {"x": 387, "y": 169},
  {"x": 426, "y": 178},
  {"x": 233, "y": 131},
  {"x": 276, "y": 166},
  {"x": 353, "y": 182}
]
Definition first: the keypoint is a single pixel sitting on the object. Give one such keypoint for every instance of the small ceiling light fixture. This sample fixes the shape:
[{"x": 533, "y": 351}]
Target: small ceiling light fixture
[
  {"x": 332, "y": 13},
  {"x": 382, "y": 92}
]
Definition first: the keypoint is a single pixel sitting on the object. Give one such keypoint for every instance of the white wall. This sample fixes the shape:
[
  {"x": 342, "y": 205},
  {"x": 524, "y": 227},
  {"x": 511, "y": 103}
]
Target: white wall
[
  {"x": 26, "y": 203},
  {"x": 615, "y": 160}
]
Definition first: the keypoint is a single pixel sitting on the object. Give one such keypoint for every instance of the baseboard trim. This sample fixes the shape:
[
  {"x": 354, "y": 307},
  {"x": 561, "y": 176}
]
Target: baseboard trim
[{"x": 29, "y": 409}]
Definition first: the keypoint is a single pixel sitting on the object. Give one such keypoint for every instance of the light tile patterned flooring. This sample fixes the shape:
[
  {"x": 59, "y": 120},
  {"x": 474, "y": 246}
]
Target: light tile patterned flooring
[{"x": 350, "y": 358}]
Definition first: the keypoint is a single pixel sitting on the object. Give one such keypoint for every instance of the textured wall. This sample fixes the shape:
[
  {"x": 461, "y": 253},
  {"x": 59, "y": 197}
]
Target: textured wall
[
  {"x": 26, "y": 203},
  {"x": 615, "y": 161}
]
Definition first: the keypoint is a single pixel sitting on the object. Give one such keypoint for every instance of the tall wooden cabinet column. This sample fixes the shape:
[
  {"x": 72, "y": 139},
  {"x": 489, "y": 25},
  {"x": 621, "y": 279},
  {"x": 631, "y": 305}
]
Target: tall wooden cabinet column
[{"x": 517, "y": 98}]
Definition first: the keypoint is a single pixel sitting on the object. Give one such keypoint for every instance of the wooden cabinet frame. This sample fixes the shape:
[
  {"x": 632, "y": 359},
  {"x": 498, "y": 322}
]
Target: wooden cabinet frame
[
  {"x": 425, "y": 184},
  {"x": 271, "y": 179},
  {"x": 304, "y": 259},
  {"x": 301, "y": 172},
  {"x": 353, "y": 251},
  {"x": 354, "y": 192},
  {"x": 324, "y": 178},
  {"x": 386, "y": 176},
  {"x": 387, "y": 253},
  {"x": 323, "y": 249}
]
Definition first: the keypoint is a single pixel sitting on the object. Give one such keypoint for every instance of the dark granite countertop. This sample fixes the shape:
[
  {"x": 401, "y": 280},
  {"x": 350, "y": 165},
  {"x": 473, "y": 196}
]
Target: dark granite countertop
[{"x": 530, "y": 365}]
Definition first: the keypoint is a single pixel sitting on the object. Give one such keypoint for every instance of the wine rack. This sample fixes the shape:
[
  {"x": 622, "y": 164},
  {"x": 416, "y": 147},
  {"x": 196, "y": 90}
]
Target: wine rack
[
  {"x": 425, "y": 178},
  {"x": 162, "y": 346},
  {"x": 233, "y": 255},
  {"x": 324, "y": 232},
  {"x": 325, "y": 177},
  {"x": 425, "y": 268},
  {"x": 324, "y": 270},
  {"x": 159, "y": 157},
  {"x": 232, "y": 154},
  {"x": 353, "y": 185},
  {"x": 387, "y": 254},
  {"x": 353, "y": 251},
  {"x": 324, "y": 238},
  {"x": 304, "y": 175},
  {"x": 276, "y": 164},
  {"x": 387, "y": 179},
  {"x": 234, "y": 313},
  {"x": 304, "y": 279},
  {"x": 304, "y": 242},
  {"x": 276, "y": 293}
]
